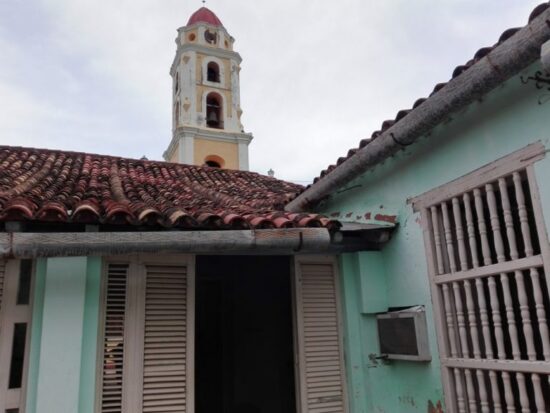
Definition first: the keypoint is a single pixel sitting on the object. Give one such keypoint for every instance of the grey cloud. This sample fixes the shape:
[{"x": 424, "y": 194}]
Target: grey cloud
[{"x": 317, "y": 76}]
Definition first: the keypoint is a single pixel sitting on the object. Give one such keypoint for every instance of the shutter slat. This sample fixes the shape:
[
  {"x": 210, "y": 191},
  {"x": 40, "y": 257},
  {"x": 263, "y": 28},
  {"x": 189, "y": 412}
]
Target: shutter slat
[
  {"x": 165, "y": 340},
  {"x": 113, "y": 338},
  {"x": 321, "y": 356}
]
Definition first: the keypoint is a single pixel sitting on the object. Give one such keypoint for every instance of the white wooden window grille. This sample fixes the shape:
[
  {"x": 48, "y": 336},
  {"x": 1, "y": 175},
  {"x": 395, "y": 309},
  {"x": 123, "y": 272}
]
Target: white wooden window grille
[
  {"x": 16, "y": 278},
  {"x": 146, "y": 351},
  {"x": 488, "y": 259},
  {"x": 319, "y": 339}
]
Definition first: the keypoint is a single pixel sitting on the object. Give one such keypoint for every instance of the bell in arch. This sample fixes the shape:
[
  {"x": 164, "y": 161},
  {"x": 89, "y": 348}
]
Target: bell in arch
[{"x": 212, "y": 117}]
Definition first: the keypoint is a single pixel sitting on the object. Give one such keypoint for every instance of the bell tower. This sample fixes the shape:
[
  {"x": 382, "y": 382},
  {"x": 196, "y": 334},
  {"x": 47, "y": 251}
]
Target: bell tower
[{"x": 206, "y": 109}]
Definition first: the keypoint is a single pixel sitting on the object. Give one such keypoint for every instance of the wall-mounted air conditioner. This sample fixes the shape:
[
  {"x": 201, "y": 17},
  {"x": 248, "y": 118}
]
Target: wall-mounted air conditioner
[{"x": 403, "y": 334}]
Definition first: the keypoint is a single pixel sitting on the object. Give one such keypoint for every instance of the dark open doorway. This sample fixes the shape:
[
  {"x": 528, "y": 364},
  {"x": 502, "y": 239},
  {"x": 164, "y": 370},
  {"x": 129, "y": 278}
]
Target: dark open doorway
[{"x": 244, "y": 351}]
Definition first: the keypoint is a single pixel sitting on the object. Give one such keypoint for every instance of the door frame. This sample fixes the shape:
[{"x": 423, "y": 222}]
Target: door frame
[{"x": 12, "y": 313}]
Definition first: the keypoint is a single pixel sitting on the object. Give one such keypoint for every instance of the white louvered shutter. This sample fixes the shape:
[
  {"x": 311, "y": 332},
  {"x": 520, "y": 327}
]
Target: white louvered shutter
[
  {"x": 114, "y": 320},
  {"x": 147, "y": 317},
  {"x": 165, "y": 339},
  {"x": 321, "y": 362}
]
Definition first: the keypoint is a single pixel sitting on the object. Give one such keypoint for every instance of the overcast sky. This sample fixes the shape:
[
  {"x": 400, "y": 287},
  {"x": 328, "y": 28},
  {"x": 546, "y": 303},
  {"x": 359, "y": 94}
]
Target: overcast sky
[{"x": 317, "y": 76}]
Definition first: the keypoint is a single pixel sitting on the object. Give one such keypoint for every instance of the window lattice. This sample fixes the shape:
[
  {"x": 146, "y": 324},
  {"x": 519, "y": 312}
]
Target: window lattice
[{"x": 490, "y": 295}]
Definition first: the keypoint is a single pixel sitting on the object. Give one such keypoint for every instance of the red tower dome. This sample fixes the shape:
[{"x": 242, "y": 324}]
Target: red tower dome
[{"x": 204, "y": 15}]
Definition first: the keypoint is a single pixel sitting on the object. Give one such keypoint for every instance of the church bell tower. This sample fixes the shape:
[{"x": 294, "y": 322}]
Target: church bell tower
[{"x": 206, "y": 110}]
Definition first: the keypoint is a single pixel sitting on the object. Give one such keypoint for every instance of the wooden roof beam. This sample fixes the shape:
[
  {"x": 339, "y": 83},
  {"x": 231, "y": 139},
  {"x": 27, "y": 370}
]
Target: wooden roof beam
[{"x": 260, "y": 242}]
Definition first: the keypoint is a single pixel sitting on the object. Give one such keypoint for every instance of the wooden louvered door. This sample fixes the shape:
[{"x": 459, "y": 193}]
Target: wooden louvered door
[
  {"x": 165, "y": 353},
  {"x": 320, "y": 367},
  {"x": 148, "y": 336}
]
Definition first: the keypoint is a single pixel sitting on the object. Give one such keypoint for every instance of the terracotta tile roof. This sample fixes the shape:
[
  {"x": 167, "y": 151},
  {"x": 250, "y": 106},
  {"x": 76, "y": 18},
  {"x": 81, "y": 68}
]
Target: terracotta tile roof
[
  {"x": 68, "y": 187},
  {"x": 457, "y": 72}
]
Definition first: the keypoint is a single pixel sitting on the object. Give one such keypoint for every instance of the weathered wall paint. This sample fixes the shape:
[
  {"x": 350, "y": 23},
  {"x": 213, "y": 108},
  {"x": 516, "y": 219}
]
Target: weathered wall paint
[
  {"x": 385, "y": 386},
  {"x": 507, "y": 119},
  {"x": 61, "y": 339},
  {"x": 88, "y": 362},
  {"x": 358, "y": 393},
  {"x": 372, "y": 282}
]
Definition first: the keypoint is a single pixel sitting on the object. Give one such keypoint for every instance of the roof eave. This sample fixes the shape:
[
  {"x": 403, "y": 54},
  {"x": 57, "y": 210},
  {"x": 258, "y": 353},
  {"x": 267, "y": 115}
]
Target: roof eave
[{"x": 289, "y": 241}]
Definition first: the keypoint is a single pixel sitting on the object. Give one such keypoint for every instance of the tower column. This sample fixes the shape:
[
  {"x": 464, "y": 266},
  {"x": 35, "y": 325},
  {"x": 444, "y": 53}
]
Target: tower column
[
  {"x": 186, "y": 150},
  {"x": 243, "y": 155}
]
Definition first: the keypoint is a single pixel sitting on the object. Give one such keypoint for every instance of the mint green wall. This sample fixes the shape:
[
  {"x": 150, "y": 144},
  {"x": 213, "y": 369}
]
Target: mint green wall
[
  {"x": 36, "y": 333},
  {"x": 506, "y": 120},
  {"x": 90, "y": 330},
  {"x": 62, "y": 360},
  {"x": 61, "y": 340},
  {"x": 359, "y": 395},
  {"x": 375, "y": 385}
]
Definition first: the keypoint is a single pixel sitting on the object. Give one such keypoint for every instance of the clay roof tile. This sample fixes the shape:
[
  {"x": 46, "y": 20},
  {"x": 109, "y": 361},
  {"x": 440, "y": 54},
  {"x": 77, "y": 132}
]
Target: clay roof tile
[{"x": 69, "y": 187}]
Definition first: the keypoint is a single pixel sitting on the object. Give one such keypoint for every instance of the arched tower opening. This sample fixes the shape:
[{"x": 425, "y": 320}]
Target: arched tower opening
[
  {"x": 214, "y": 111},
  {"x": 213, "y": 72},
  {"x": 214, "y": 161}
]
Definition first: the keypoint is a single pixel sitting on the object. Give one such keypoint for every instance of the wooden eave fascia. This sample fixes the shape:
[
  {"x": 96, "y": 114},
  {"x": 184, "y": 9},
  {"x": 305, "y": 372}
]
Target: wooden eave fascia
[{"x": 288, "y": 241}]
